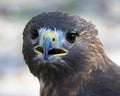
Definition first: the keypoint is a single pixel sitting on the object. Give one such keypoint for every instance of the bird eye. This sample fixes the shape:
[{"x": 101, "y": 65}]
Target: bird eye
[
  {"x": 71, "y": 36},
  {"x": 34, "y": 34}
]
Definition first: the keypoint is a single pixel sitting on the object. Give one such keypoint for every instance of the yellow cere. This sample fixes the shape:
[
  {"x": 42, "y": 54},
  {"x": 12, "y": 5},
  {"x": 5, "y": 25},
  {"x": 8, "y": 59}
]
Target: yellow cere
[{"x": 51, "y": 34}]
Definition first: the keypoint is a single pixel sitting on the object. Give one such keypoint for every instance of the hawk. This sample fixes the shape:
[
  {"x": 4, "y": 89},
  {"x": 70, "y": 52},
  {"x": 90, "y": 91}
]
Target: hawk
[{"x": 64, "y": 52}]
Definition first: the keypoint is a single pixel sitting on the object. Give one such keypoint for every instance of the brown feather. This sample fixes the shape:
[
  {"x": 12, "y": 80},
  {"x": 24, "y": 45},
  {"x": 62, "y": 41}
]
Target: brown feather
[{"x": 88, "y": 72}]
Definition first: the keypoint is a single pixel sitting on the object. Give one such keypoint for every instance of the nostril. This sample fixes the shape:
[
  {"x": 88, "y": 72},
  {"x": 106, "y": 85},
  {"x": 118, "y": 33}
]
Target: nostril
[{"x": 53, "y": 39}]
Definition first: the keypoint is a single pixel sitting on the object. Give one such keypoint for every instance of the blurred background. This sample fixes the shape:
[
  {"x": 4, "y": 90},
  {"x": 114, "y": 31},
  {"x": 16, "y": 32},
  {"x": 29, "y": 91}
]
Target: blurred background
[{"x": 15, "y": 78}]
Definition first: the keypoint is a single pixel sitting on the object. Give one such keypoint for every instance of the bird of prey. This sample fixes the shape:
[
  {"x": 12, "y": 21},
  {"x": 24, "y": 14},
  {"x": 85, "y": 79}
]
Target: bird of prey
[{"x": 64, "y": 52}]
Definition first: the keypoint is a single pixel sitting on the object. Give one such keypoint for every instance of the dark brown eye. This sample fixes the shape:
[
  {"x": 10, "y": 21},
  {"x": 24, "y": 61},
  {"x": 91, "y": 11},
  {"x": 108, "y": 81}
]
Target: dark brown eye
[
  {"x": 34, "y": 34},
  {"x": 71, "y": 36}
]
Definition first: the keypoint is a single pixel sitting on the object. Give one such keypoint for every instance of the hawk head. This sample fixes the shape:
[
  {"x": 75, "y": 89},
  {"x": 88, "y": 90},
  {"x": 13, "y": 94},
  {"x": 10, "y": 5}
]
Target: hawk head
[{"x": 60, "y": 42}]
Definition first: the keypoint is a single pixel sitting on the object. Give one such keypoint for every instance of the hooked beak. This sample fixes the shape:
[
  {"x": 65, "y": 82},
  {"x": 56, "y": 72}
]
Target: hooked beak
[{"x": 48, "y": 50}]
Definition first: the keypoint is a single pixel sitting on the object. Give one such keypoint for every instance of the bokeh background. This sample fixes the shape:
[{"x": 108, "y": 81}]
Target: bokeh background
[{"x": 15, "y": 78}]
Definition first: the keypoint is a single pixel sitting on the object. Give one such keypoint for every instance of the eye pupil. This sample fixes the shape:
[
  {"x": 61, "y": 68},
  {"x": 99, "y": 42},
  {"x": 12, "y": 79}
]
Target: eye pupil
[
  {"x": 71, "y": 36},
  {"x": 34, "y": 34}
]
